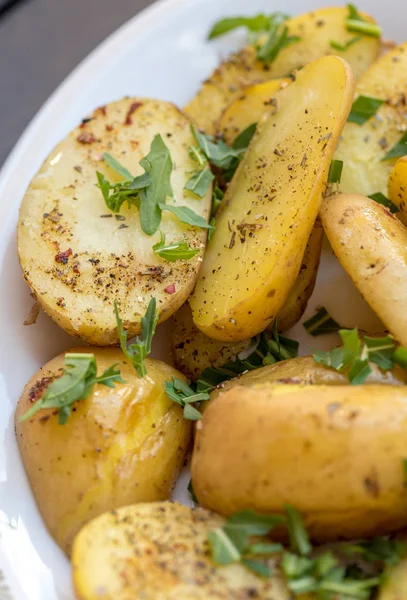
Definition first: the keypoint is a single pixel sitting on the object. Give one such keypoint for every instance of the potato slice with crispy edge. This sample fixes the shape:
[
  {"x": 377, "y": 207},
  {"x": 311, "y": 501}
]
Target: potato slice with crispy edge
[
  {"x": 270, "y": 207},
  {"x": 398, "y": 188},
  {"x": 159, "y": 551},
  {"x": 371, "y": 245},
  {"x": 77, "y": 256},
  {"x": 363, "y": 147},
  {"x": 316, "y": 29}
]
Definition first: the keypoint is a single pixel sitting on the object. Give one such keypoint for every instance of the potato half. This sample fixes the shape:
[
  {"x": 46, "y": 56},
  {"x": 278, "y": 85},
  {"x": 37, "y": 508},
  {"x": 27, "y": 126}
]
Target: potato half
[
  {"x": 267, "y": 215},
  {"x": 336, "y": 453},
  {"x": 362, "y": 147},
  {"x": 119, "y": 446},
  {"x": 76, "y": 255},
  {"x": 159, "y": 551},
  {"x": 398, "y": 188},
  {"x": 371, "y": 245},
  {"x": 316, "y": 29}
]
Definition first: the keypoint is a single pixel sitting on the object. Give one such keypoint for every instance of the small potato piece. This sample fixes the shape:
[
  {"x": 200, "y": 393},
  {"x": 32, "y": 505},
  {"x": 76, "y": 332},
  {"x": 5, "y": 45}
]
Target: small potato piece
[
  {"x": 162, "y": 549},
  {"x": 371, "y": 245},
  {"x": 118, "y": 446},
  {"x": 362, "y": 147},
  {"x": 398, "y": 188},
  {"x": 336, "y": 453},
  {"x": 76, "y": 260},
  {"x": 316, "y": 29},
  {"x": 394, "y": 586},
  {"x": 249, "y": 108},
  {"x": 268, "y": 212}
]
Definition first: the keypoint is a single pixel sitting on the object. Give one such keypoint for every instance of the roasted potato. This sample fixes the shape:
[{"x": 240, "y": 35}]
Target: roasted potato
[
  {"x": 398, "y": 188},
  {"x": 159, "y": 550},
  {"x": 394, "y": 585},
  {"x": 119, "y": 446},
  {"x": 371, "y": 245},
  {"x": 363, "y": 147},
  {"x": 270, "y": 207},
  {"x": 76, "y": 260},
  {"x": 336, "y": 453},
  {"x": 317, "y": 29}
]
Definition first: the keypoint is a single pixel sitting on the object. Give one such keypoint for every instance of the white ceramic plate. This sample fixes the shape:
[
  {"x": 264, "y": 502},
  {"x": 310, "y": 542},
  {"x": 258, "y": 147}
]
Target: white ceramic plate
[{"x": 163, "y": 53}]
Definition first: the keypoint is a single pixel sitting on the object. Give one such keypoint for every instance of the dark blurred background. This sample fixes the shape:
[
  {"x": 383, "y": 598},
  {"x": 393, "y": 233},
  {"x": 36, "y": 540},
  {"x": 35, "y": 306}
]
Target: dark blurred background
[{"x": 41, "y": 41}]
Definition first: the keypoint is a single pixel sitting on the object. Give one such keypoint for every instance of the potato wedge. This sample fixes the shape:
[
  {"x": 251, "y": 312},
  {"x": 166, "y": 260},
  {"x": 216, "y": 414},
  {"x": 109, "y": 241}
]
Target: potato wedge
[
  {"x": 316, "y": 29},
  {"x": 268, "y": 212},
  {"x": 75, "y": 259},
  {"x": 371, "y": 245},
  {"x": 249, "y": 108},
  {"x": 398, "y": 188},
  {"x": 119, "y": 446},
  {"x": 362, "y": 147},
  {"x": 341, "y": 464},
  {"x": 161, "y": 548},
  {"x": 394, "y": 586}
]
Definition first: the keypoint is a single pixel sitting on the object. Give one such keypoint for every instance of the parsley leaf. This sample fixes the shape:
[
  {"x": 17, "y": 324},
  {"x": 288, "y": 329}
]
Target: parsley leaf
[
  {"x": 364, "y": 108},
  {"x": 76, "y": 383},
  {"x": 356, "y": 23},
  {"x": 321, "y": 323},
  {"x": 257, "y": 23},
  {"x": 182, "y": 394},
  {"x": 399, "y": 149},
  {"x": 200, "y": 181},
  {"x": 381, "y": 199},
  {"x": 176, "y": 251},
  {"x": 343, "y": 47},
  {"x": 141, "y": 348},
  {"x": 158, "y": 165},
  {"x": 187, "y": 216}
]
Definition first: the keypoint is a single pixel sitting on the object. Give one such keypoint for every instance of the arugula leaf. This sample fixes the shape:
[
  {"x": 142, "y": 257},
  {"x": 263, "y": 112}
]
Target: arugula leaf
[
  {"x": 280, "y": 347},
  {"x": 298, "y": 535},
  {"x": 173, "y": 252},
  {"x": 399, "y": 149},
  {"x": 359, "y": 371},
  {"x": 217, "y": 197},
  {"x": 265, "y": 548},
  {"x": 343, "y": 47},
  {"x": 180, "y": 392},
  {"x": 242, "y": 141},
  {"x": 117, "y": 166},
  {"x": 257, "y": 567},
  {"x": 76, "y": 382},
  {"x": 192, "y": 493},
  {"x": 335, "y": 171},
  {"x": 223, "y": 550},
  {"x": 364, "y": 108},
  {"x": 217, "y": 152},
  {"x": 115, "y": 194},
  {"x": 187, "y": 216},
  {"x": 400, "y": 357},
  {"x": 141, "y": 348},
  {"x": 356, "y": 23},
  {"x": 381, "y": 351},
  {"x": 158, "y": 165},
  {"x": 381, "y": 199},
  {"x": 277, "y": 40},
  {"x": 200, "y": 182},
  {"x": 257, "y": 23},
  {"x": 321, "y": 323}
]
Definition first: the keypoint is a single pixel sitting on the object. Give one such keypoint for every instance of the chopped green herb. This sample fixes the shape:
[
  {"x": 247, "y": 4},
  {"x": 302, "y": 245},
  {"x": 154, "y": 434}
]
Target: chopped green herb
[
  {"x": 76, "y": 382},
  {"x": 298, "y": 536},
  {"x": 381, "y": 351},
  {"x": 216, "y": 151},
  {"x": 176, "y": 251},
  {"x": 398, "y": 150},
  {"x": 359, "y": 371},
  {"x": 257, "y": 23},
  {"x": 335, "y": 171},
  {"x": 217, "y": 197},
  {"x": 200, "y": 181},
  {"x": 381, "y": 199},
  {"x": 242, "y": 141},
  {"x": 187, "y": 216},
  {"x": 357, "y": 24},
  {"x": 277, "y": 39},
  {"x": 257, "y": 567},
  {"x": 400, "y": 357},
  {"x": 364, "y": 108},
  {"x": 141, "y": 348},
  {"x": 346, "y": 45},
  {"x": 265, "y": 548},
  {"x": 117, "y": 166},
  {"x": 211, "y": 231},
  {"x": 182, "y": 394},
  {"x": 223, "y": 550},
  {"x": 321, "y": 323},
  {"x": 192, "y": 493},
  {"x": 115, "y": 194}
]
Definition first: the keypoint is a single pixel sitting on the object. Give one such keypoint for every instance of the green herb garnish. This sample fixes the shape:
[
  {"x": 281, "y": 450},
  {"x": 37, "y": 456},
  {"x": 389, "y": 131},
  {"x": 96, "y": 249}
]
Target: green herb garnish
[
  {"x": 321, "y": 323},
  {"x": 182, "y": 394},
  {"x": 200, "y": 181},
  {"x": 76, "y": 382},
  {"x": 399, "y": 149},
  {"x": 191, "y": 491},
  {"x": 381, "y": 199},
  {"x": 364, "y": 108},
  {"x": 343, "y": 47},
  {"x": 141, "y": 348},
  {"x": 176, "y": 251},
  {"x": 258, "y": 23},
  {"x": 335, "y": 171},
  {"x": 187, "y": 216},
  {"x": 357, "y": 24},
  {"x": 277, "y": 39},
  {"x": 242, "y": 141},
  {"x": 115, "y": 194},
  {"x": 217, "y": 197}
]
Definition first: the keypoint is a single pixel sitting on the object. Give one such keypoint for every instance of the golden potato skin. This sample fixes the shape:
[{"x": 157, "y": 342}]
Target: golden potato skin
[
  {"x": 77, "y": 256},
  {"x": 316, "y": 30},
  {"x": 371, "y": 245},
  {"x": 334, "y": 452},
  {"x": 398, "y": 188},
  {"x": 118, "y": 446},
  {"x": 363, "y": 147},
  {"x": 164, "y": 555},
  {"x": 268, "y": 212}
]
